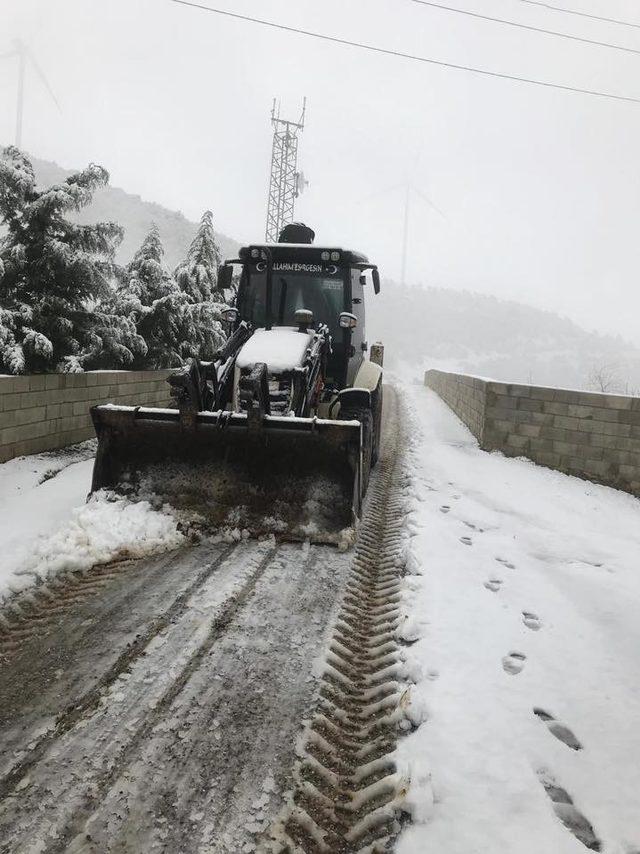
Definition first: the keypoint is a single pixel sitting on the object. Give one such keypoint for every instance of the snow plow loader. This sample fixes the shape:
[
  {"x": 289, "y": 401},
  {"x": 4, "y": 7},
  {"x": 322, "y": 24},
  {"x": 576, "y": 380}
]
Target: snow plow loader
[{"x": 279, "y": 432}]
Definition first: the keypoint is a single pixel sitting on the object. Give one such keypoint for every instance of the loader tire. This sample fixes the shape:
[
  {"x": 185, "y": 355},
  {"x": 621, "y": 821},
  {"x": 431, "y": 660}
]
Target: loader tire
[
  {"x": 377, "y": 424},
  {"x": 365, "y": 417}
]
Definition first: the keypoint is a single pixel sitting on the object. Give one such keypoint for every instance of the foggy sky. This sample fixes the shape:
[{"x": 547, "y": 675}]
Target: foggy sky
[{"x": 539, "y": 188}]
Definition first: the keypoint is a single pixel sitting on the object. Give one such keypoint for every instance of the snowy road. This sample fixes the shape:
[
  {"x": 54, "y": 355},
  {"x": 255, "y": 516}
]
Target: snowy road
[
  {"x": 158, "y": 704},
  {"x": 162, "y": 714}
]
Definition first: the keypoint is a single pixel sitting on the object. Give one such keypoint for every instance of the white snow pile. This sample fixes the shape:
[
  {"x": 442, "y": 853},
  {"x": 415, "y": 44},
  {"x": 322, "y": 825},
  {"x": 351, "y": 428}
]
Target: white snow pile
[
  {"x": 46, "y": 526},
  {"x": 523, "y": 646},
  {"x": 281, "y": 349},
  {"x": 104, "y": 529}
]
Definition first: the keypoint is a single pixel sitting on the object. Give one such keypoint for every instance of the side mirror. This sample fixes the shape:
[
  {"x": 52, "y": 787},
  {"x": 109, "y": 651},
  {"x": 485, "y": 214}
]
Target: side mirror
[
  {"x": 229, "y": 315},
  {"x": 375, "y": 276},
  {"x": 225, "y": 275},
  {"x": 347, "y": 320}
]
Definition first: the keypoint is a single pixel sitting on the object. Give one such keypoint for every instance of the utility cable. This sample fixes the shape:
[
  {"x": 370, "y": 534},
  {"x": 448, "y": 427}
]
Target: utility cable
[
  {"x": 414, "y": 57},
  {"x": 590, "y": 15},
  {"x": 528, "y": 27}
]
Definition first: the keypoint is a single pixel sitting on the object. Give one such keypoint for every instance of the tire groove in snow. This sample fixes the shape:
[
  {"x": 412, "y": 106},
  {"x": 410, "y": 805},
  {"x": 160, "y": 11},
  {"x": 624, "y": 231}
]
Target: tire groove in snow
[
  {"x": 347, "y": 794},
  {"x": 86, "y": 704},
  {"x": 232, "y": 605}
]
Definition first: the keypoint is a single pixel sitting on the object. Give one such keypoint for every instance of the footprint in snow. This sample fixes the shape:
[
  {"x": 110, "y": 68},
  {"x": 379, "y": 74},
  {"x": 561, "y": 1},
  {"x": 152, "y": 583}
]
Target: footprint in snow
[
  {"x": 493, "y": 584},
  {"x": 466, "y": 540},
  {"x": 531, "y": 620},
  {"x": 445, "y": 508},
  {"x": 506, "y": 563},
  {"x": 514, "y": 662},
  {"x": 566, "y": 811},
  {"x": 558, "y": 729}
]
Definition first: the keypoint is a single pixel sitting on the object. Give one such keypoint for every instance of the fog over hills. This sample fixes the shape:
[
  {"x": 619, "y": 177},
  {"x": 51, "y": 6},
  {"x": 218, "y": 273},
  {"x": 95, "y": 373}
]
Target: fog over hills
[
  {"x": 135, "y": 215},
  {"x": 420, "y": 326},
  {"x": 509, "y": 341}
]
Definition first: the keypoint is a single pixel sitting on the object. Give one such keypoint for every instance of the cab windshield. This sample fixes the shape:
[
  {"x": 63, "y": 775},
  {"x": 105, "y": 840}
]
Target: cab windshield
[{"x": 324, "y": 296}]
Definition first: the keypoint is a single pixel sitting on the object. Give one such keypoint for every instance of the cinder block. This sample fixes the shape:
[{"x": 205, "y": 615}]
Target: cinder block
[
  {"x": 556, "y": 408},
  {"x": 591, "y": 398},
  {"x": 530, "y": 430},
  {"x": 81, "y": 407},
  {"x": 14, "y": 385},
  {"x": 37, "y": 382},
  {"x": 565, "y": 449},
  {"x": 541, "y": 393},
  {"x": 547, "y": 458},
  {"x": 520, "y": 443},
  {"x": 29, "y": 416},
  {"x": 555, "y": 433},
  {"x": 617, "y": 401},
  {"x": 597, "y": 467},
  {"x": 530, "y": 405},
  {"x": 54, "y": 381},
  {"x": 578, "y": 411},
  {"x": 565, "y": 423},
  {"x": 615, "y": 429},
  {"x": 7, "y": 419},
  {"x": 538, "y": 446}
]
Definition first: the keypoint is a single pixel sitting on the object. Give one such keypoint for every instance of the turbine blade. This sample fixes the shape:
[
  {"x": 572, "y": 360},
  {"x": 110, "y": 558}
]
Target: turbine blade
[
  {"x": 428, "y": 201},
  {"x": 44, "y": 80},
  {"x": 10, "y": 54}
]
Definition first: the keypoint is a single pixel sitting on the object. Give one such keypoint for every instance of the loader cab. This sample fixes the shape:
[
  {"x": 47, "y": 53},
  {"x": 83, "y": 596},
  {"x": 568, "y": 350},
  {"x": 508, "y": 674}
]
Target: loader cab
[{"x": 279, "y": 279}]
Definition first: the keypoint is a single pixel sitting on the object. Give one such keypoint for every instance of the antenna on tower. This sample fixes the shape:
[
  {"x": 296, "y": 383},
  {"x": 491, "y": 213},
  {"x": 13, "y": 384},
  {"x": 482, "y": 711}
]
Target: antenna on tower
[
  {"x": 24, "y": 56},
  {"x": 286, "y": 183}
]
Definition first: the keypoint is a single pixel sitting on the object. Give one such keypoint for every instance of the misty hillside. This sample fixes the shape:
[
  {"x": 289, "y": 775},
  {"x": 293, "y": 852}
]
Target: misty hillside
[
  {"x": 135, "y": 215},
  {"x": 459, "y": 330},
  {"x": 425, "y": 327}
]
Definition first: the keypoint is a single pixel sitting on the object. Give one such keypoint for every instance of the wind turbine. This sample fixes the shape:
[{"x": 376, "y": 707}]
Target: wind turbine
[
  {"x": 24, "y": 56},
  {"x": 408, "y": 189}
]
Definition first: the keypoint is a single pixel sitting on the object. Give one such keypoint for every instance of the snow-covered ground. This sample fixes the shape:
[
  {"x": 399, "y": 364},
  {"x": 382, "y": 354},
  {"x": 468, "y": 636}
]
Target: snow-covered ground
[
  {"x": 47, "y": 526},
  {"x": 523, "y": 635}
]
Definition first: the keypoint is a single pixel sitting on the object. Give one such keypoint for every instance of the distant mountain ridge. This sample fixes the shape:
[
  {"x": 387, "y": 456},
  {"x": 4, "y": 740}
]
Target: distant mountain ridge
[
  {"x": 505, "y": 340},
  {"x": 135, "y": 215}
]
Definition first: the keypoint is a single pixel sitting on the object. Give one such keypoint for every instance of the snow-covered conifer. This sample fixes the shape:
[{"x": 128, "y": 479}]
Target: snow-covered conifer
[
  {"x": 150, "y": 296},
  {"x": 56, "y": 274},
  {"x": 197, "y": 275}
]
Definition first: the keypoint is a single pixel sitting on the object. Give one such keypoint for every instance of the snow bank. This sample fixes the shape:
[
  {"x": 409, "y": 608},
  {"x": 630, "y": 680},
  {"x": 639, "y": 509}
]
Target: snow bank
[
  {"x": 510, "y": 558},
  {"x": 46, "y": 526},
  {"x": 104, "y": 529}
]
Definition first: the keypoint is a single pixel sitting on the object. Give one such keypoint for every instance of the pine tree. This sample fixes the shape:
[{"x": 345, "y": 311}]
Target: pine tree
[
  {"x": 197, "y": 275},
  {"x": 55, "y": 275},
  {"x": 151, "y": 297},
  {"x": 202, "y": 332}
]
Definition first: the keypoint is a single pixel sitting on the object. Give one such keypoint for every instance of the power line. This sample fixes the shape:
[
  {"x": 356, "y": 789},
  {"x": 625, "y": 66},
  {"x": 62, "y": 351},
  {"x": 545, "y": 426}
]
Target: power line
[
  {"x": 402, "y": 55},
  {"x": 527, "y": 27},
  {"x": 581, "y": 14}
]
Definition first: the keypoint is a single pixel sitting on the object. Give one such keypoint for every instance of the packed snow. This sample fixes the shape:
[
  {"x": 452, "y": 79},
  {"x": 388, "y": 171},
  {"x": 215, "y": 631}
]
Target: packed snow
[
  {"x": 281, "y": 349},
  {"x": 47, "y": 526},
  {"x": 523, "y": 641}
]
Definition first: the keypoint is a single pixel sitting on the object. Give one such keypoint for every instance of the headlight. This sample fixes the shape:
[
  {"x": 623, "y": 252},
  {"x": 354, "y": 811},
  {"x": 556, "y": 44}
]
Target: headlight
[{"x": 348, "y": 320}]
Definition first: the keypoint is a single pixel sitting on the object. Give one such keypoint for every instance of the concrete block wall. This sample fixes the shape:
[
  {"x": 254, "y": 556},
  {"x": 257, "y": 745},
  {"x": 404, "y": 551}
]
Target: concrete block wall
[
  {"x": 46, "y": 411},
  {"x": 464, "y": 394},
  {"x": 591, "y": 435}
]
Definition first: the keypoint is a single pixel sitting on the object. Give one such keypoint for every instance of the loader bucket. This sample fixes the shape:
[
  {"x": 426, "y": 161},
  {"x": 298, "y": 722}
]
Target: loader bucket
[{"x": 296, "y": 478}]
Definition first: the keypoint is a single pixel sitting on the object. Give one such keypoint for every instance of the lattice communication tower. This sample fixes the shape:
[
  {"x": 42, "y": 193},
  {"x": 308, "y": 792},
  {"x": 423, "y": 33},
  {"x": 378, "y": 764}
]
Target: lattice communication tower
[{"x": 286, "y": 183}]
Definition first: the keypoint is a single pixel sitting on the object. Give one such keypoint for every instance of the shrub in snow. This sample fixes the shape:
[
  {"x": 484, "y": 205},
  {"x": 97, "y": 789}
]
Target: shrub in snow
[{"x": 55, "y": 275}]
